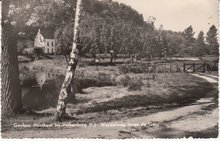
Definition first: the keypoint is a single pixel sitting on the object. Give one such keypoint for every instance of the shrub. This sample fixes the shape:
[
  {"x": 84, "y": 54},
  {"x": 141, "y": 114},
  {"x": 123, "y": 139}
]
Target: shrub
[
  {"x": 83, "y": 64},
  {"x": 122, "y": 80},
  {"x": 135, "y": 84},
  {"x": 148, "y": 84},
  {"x": 136, "y": 68},
  {"x": 102, "y": 76},
  {"x": 131, "y": 69}
]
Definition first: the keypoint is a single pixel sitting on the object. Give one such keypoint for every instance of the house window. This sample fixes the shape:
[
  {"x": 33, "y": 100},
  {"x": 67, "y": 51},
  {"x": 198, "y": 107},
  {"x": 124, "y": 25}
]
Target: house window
[
  {"x": 48, "y": 74},
  {"x": 52, "y": 51},
  {"x": 48, "y": 50},
  {"x": 48, "y": 44},
  {"x": 52, "y": 44}
]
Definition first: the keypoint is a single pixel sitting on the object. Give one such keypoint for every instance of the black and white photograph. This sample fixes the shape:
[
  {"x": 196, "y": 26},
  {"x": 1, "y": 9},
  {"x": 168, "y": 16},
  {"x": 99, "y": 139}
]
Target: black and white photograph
[{"x": 109, "y": 69}]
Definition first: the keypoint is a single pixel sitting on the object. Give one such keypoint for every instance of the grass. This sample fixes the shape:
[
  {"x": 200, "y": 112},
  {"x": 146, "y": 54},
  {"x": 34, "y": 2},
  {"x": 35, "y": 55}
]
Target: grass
[
  {"x": 166, "y": 88},
  {"x": 135, "y": 84},
  {"x": 106, "y": 91},
  {"x": 170, "y": 88}
]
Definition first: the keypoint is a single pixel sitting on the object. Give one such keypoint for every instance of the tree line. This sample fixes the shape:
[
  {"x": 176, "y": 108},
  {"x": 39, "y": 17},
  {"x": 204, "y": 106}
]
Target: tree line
[
  {"x": 107, "y": 25},
  {"x": 104, "y": 26}
]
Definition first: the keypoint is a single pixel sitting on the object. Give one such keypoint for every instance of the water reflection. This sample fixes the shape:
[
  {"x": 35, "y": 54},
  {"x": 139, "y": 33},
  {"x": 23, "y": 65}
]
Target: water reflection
[
  {"x": 44, "y": 93},
  {"x": 40, "y": 90}
]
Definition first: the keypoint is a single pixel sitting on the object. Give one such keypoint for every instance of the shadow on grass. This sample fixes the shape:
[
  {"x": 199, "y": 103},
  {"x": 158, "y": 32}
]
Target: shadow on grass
[
  {"x": 35, "y": 114},
  {"x": 166, "y": 132},
  {"x": 181, "y": 95},
  {"x": 209, "y": 133},
  {"x": 84, "y": 83}
]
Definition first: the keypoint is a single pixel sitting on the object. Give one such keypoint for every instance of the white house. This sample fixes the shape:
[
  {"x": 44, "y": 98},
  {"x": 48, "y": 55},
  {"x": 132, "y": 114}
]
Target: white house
[{"x": 49, "y": 45}]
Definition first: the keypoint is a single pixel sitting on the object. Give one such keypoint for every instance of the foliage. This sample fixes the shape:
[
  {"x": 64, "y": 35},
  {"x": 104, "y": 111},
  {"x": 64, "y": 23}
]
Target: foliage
[
  {"x": 105, "y": 26},
  {"x": 123, "y": 80},
  {"x": 136, "y": 68},
  {"x": 132, "y": 68},
  {"x": 212, "y": 41},
  {"x": 200, "y": 48},
  {"x": 135, "y": 84},
  {"x": 188, "y": 34}
]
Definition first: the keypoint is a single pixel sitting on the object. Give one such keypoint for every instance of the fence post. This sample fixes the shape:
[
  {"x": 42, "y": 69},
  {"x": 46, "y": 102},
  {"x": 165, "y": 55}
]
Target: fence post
[
  {"x": 194, "y": 67},
  {"x": 184, "y": 68},
  {"x": 204, "y": 67},
  {"x": 153, "y": 77},
  {"x": 156, "y": 69}
]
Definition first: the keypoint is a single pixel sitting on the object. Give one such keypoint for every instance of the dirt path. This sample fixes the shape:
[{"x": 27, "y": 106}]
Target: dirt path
[
  {"x": 197, "y": 117},
  {"x": 209, "y": 78}
]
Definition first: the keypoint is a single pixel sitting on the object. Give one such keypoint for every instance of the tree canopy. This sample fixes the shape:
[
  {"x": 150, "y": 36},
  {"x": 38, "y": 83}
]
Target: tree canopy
[{"x": 104, "y": 26}]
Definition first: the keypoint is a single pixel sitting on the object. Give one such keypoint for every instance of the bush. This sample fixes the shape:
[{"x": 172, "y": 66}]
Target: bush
[
  {"x": 148, "y": 84},
  {"x": 123, "y": 80},
  {"x": 131, "y": 69},
  {"x": 136, "y": 68},
  {"x": 135, "y": 84},
  {"x": 102, "y": 76},
  {"x": 83, "y": 64}
]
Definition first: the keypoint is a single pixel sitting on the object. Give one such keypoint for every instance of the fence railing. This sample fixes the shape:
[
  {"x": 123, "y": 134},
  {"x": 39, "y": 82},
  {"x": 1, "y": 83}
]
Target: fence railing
[{"x": 194, "y": 67}]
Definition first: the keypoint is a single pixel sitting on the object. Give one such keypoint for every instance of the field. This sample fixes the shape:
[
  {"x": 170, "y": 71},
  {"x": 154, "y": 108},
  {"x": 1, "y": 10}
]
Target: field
[{"x": 104, "y": 96}]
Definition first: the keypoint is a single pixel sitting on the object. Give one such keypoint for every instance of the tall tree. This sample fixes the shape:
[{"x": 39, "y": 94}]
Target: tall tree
[
  {"x": 66, "y": 87},
  {"x": 10, "y": 92},
  {"x": 212, "y": 41},
  {"x": 188, "y": 34},
  {"x": 163, "y": 43},
  {"x": 200, "y": 47}
]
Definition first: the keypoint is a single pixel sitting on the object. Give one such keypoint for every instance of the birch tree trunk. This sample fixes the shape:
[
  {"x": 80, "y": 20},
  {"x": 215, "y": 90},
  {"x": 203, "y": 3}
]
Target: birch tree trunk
[
  {"x": 66, "y": 87},
  {"x": 10, "y": 85}
]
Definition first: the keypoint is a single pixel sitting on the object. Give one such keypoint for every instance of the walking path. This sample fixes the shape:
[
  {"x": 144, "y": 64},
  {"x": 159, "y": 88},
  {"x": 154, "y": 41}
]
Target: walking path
[
  {"x": 208, "y": 77},
  {"x": 179, "y": 122}
]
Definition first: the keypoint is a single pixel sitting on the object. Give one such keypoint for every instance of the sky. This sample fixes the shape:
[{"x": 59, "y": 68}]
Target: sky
[{"x": 177, "y": 15}]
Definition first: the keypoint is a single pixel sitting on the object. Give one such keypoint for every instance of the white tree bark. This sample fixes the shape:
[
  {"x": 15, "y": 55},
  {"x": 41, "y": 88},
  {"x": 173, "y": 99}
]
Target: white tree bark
[{"x": 66, "y": 87}]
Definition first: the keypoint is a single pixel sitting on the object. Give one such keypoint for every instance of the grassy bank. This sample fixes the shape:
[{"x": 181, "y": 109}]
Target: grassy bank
[
  {"x": 102, "y": 102},
  {"x": 102, "y": 91},
  {"x": 108, "y": 103},
  {"x": 165, "y": 89}
]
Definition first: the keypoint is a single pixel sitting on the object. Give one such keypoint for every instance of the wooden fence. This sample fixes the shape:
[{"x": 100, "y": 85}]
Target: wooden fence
[{"x": 194, "y": 67}]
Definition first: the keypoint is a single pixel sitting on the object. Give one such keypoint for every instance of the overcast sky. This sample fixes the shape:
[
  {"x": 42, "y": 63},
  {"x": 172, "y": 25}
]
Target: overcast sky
[{"x": 177, "y": 15}]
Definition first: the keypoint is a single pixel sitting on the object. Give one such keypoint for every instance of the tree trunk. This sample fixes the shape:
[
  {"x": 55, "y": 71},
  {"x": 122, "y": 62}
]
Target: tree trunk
[
  {"x": 11, "y": 91},
  {"x": 66, "y": 87},
  {"x": 111, "y": 58},
  {"x": 132, "y": 58}
]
